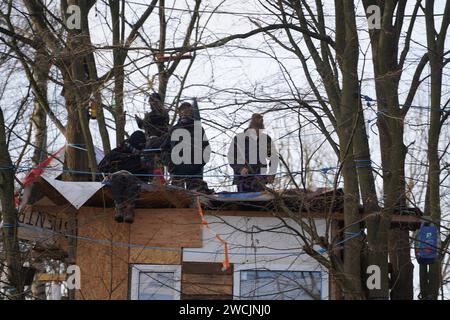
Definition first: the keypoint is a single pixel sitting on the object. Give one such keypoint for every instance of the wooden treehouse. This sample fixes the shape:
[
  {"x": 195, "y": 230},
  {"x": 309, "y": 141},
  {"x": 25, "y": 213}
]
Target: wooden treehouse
[{"x": 236, "y": 247}]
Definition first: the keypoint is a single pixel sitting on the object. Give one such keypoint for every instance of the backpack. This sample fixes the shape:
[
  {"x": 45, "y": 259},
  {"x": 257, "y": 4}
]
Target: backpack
[{"x": 427, "y": 242}]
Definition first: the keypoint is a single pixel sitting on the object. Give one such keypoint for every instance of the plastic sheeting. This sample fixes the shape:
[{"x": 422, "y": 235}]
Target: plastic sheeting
[{"x": 77, "y": 193}]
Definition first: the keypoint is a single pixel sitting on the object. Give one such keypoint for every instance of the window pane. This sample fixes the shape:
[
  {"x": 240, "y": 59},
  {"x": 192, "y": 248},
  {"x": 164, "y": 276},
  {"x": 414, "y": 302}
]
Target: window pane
[
  {"x": 156, "y": 286},
  {"x": 280, "y": 285}
]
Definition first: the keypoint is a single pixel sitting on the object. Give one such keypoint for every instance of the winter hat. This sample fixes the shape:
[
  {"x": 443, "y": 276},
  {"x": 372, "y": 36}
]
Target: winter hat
[
  {"x": 155, "y": 97},
  {"x": 137, "y": 140},
  {"x": 185, "y": 106},
  {"x": 186, "y": 110}
]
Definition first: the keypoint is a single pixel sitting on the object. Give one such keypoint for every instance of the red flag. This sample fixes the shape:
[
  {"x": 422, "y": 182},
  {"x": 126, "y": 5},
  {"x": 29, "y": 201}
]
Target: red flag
[{"x": 34, "y": 174}]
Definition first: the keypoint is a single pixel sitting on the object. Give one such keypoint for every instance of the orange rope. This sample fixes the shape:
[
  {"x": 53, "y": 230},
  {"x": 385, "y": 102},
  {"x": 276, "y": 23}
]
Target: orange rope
[{"x": 226, "y": 262}]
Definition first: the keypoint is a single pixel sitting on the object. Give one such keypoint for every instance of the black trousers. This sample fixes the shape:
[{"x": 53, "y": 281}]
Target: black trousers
[
  {"x": 188, "y": 177},
  {"x": 251, "y": 184},
  {"x": 125, "y": 189}
]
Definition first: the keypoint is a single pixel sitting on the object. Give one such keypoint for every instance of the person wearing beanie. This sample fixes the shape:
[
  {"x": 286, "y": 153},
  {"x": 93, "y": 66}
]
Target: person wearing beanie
[
  {"x": 250, "y": 152},
  {"x": 121, "y": 166}
]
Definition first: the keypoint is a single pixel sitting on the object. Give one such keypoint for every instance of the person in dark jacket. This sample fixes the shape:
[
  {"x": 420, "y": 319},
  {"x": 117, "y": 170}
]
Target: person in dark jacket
[
  {"x": 156, "y": 127},
  {"x": 122, "y": 165},
  {"x": 155, "y": 122},
  {"x": 251, "y": 152},
  {"x": 189, "y": 151}
]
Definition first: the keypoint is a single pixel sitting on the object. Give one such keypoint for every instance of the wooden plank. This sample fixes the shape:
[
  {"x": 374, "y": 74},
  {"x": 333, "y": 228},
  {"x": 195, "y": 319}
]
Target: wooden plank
[
  {"x": 151, "y": 196},
  {"x": 164, "y": 196},
  {"x": 48, "y": 277},
  {"x": 47, "y": 225},
  {"x": 45, "y": 201},
  {"x": 54, "y": 209},
  {"x": 201, "y": 280},
  {"x": 167, "y": 228},
  {"x": 205, "y": 289},
  {"x": 104, "y": 266},
  {"x": 207, "y": 279},
  {"x": 205, "y": 268},
  {"x": 153, "y": 256}
]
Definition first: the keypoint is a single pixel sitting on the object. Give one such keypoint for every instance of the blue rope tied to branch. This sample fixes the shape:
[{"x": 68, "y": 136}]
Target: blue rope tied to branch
[
  {"x": 364, "y": 163},
  {"x": 77, "y": 146}
]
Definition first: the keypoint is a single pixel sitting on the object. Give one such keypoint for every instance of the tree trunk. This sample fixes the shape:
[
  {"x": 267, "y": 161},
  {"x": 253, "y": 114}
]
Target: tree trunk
[
  {"x": 9, "y": 216},
  {"x": 346, "y": 129},
  {"x": 385, "y": 45},
  {"x": 41, "y": 70},
  {"x": 431, "y": 277},
  {"x": 39, "y": 117},
  {"x": 377, "y": 225},
  {"x": 75, "y": 159},
  {"x": 119, "y": 72},
  {"x": 77, "y": 88}
]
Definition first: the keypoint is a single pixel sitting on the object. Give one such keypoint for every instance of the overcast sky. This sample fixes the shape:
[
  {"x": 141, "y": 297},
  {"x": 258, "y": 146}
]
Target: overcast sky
[{"x": 220, "y": 77}]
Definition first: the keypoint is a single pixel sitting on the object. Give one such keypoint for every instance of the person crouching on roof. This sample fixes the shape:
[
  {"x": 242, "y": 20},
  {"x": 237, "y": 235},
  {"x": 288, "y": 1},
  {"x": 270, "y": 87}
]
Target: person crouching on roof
[
  {"x": 250, "y": 152},
  {"x": 189, "y": 151},
  {"x": 122, "y": 165}
]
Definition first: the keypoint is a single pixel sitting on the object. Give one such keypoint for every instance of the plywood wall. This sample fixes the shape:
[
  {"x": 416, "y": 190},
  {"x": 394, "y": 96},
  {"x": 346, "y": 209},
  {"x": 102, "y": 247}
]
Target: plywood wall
[
  {"x": 167, "y": 228},
  {"x": 206, "y": 281},
  {"x": 103, "y": 264},
  {"x": 105, "y": 248}
]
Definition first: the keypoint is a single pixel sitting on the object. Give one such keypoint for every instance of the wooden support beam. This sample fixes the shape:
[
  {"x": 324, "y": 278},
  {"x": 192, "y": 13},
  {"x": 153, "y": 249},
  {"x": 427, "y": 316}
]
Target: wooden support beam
[{"x": 49, "y": 277}]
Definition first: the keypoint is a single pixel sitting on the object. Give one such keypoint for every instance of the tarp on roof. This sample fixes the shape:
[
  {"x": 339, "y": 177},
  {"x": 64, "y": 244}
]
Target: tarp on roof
[
  {"x": 76, "y": 193},
  {"x": 247, "y": 196}
]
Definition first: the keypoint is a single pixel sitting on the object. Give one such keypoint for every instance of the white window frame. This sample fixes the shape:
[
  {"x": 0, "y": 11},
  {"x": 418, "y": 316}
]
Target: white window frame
[
  {"x": 276, "y": 268},
  {"x": 137, "y": 269}
]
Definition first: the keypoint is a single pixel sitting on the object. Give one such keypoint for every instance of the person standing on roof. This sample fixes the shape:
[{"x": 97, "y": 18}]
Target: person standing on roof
[
  {"x": 122, "y": 165},
  {"x": 189, "y": 151},
  {"x": 250, "y": 152},
  {"x": 156, "y": 127},
  {"x": 155, "y": 122}
]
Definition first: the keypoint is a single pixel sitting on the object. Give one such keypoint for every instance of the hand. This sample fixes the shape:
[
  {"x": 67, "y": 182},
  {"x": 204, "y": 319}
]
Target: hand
[{"x": 244, "y": 172}]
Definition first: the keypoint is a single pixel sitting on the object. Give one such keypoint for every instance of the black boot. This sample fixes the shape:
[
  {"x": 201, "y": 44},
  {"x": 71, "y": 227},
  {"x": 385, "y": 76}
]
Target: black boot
[
  {"x": 129, "y": 214},
  {"x": 118, "y": 216}
]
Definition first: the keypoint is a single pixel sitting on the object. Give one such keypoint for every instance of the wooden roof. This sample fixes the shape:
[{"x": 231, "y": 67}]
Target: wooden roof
[{"x": 321, "y": 203}]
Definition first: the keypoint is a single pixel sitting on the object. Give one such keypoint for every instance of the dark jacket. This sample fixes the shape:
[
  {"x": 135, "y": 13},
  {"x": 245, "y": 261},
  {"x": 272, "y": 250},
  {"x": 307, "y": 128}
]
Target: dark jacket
[
  {"x": 154, "y": 123},
  {"x": 123, "y": 158},
  {"x": 196, "y": 144},
  {"x": 248, "y": 155}
]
